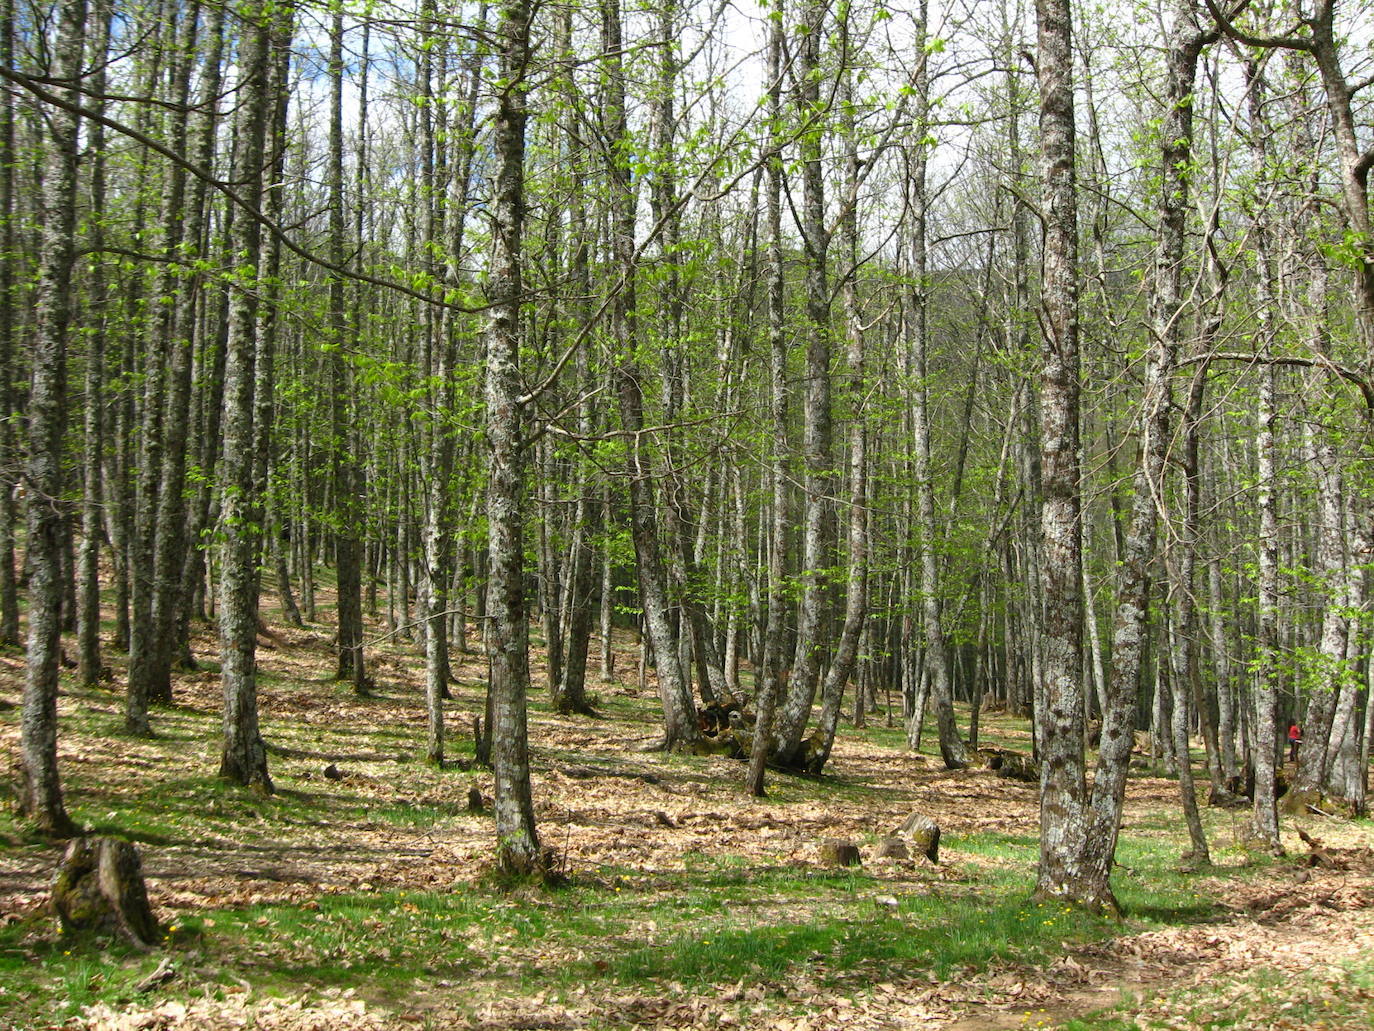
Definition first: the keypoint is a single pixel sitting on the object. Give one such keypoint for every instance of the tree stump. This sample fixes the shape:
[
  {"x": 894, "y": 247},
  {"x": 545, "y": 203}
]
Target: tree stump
[
  {"x": 1016, "y": 766},
  {"x": 892, "y": 848},
  {"x": 99, "y": 888},
  {"x": 840, "y": 853},
  {"x": 924, "y": 834}
]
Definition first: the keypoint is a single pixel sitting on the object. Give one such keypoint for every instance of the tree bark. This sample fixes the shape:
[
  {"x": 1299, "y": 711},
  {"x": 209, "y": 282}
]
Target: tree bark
[
  {"x": 517, "y": 848},
  {"x": 41, "y": 788},
  {"x": 88, "y": 665},
  {"x": 9, "y": 311},
  {"x": 768, "y": 675},
  {"x": 818, "y": 522},
  {"x": 679, "y": 714},
  {"x": 243, "y": 756},
  {"x": 1059, "y": 704}
]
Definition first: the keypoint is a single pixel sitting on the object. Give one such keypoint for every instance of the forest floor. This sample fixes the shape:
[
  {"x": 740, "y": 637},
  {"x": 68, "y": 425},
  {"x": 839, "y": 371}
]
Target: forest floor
[{"x": 363, "y": 898}]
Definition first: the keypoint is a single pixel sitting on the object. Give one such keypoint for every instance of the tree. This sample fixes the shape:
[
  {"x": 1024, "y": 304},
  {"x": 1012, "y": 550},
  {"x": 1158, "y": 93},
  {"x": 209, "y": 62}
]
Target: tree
[
  {"x": 818, "y": 518},
  {"x": 41, "y": 789},
  {"x": 517, "y": 843},
  {"x": 1059, "y": 713},
  {"x": 679, "y": 714},
  {"x": 243, "y": 756}
]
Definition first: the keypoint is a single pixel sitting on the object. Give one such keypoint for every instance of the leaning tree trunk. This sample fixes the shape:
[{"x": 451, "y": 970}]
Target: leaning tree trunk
[
  {"x": 41, "y": 789},
  {"x": 1130, "y": 630},
  {"x": 679, "y": 714}
]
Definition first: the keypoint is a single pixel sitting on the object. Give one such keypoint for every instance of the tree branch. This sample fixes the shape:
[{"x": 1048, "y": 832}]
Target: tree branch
[{"x": 1300, "y": 361}]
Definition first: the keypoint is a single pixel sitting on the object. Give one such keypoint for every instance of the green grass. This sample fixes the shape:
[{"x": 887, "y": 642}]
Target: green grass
[
  {"x": 722, "y": 919},
  {"x": 718, "y": 922},
  {"x": 1336, "y": 999}
]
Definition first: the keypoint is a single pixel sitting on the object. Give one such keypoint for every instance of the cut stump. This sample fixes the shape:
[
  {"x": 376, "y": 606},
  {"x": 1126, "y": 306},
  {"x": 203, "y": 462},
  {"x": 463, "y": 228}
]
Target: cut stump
[
  {"x": 99, "y": 888},
  {"x": 840, "y": 853},
  {"x": 924, "y": 834}
]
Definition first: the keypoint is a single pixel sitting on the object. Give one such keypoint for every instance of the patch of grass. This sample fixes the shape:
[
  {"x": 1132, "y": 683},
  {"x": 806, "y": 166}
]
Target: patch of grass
[
  {"x": 1336, "y": 999},
  {"x": 46, "y": 979},
  {"x": 855, "y": 939}
]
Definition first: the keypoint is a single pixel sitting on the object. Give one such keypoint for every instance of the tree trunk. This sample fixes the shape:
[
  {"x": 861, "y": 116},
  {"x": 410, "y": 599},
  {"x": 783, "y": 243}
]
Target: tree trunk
[
  {"x": 88, "y": 667},
  {"x": 936, "y": 649},
  {"x": 149, "y": 490},
  {"x": 517, "y": 842},
  {"x": 818, "y": 523},
  {"x": 1059, "y": 702},
  {"x": 856, "y": 389},
  {"x": 768, "y": 675},
  {"x": 40, "y": 796},
  {"x": 679, "y": 714},
  {"x": 9, "y": 312},
  {"x": 243, "y": 758}
]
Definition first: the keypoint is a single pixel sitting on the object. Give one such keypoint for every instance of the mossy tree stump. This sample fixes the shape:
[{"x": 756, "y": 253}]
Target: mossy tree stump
[
  {"x": 99, "y": 889},
  {"x": 924, "y": 834}
]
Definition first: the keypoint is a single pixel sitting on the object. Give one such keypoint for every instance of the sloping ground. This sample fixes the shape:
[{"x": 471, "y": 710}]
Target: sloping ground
[{"x": 618, "y": 815}]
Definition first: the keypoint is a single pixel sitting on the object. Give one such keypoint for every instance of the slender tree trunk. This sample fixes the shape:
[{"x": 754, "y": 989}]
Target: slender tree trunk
[
  {"x": 1183, "y": 611},
  {"x": 144, "y": 645},
  {"x": 171, "y": 594},
  {"x": 768, "y": 676},
  {"x": 243, "y": 758},
  {"x": 856, "y": 388},
  {"x": 937, "y": 653},
  {"x": 41, "y": 788},
  {"x": 347, "y": 485},
  {"x": 9, "y": 312},
  {"x": 571, "y": 695},
  {"x": 679, "y": 714},
  {"x": 1059, "y": 705},
  {"x": 1264, "y": 714},
  {"x": 818, "y": 521},
  {"x": 88, "y": 667},
  {"x": 517, "y": 842}
]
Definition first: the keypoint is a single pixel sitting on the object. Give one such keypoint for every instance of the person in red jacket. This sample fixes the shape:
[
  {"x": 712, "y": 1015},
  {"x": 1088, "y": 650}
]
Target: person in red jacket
[{"x": 1294, "y": 736}]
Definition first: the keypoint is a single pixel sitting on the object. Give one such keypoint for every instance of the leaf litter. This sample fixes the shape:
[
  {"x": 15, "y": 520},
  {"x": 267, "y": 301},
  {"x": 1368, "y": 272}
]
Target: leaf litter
[{"x": 389, "y": 822}]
